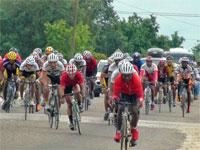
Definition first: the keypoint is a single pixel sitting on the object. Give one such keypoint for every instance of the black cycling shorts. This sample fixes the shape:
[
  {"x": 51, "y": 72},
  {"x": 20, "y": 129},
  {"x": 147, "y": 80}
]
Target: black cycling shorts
[
  {"x": 128, "y": 98},
  {"x": 89, "y": 73},
  {"x": 171, "y": 79},
  {"x": 68, "y": 89},
  {"x": 28, "y": 74},
  {"x": 54, "y": 79},
  {"x": 163, "y": 80}
]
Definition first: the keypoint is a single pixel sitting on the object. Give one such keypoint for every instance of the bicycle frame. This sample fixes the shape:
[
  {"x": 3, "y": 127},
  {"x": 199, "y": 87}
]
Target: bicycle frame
[
  {"x": 147, "y": 94},
  {"x": 160, "y": 95}
]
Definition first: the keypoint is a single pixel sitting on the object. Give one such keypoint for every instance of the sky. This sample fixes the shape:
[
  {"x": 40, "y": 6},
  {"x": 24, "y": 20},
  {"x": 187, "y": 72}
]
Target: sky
[{"x": 177, "y": 15}]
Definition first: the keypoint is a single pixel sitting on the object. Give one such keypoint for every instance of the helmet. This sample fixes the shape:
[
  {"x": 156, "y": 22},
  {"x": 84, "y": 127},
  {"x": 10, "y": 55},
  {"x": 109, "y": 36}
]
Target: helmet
[
  {"x": 110, "y": 60},
  {"x": 60, "y": 56},
  {"x": 13, "y": 49},
  {"x": 71, "y": 69},
  {"x": 49, "y": 50},
  {"x": 130, "y": 59},
  {"x": 136, "y": 55},
  {"x": 118, "y": 55},
  {"x": 126, "y": 68},
  {"x": 126, "y": 55},
  {"x": 52, "y": 57},
  {"x": 35, "y": 55},
  {"x": 12, "y": 55},
  {"x": 170, "y": 58},
  {"x": 162, "y": 63},
  {"x": 78, "y": 57},
  {"x": 38, "y": 50},
  {"x": 149, "y": 58},
  {"x": 121, "y": 62},
  {"x": 85, "y": 52},
  {"x": 55, "y": 52},
  {"x": 88, "y": 55},
  {"x": 184, "y": 59},
  {"x": 30, "y": 60}
]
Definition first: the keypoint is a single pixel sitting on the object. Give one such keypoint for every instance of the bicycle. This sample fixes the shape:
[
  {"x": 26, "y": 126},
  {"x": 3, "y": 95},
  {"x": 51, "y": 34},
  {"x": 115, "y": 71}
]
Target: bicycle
[
  {"x": 169, "y": 98},
  {"x": 75, "y": 112},
  {"x": 147, "y": 96},
  {"x": 125, "y": 128},
  {"x": 11, "y": 94},
  {"x": 183, "y": 97},
  {"x": 160, "y": 95},
  {"x": 27, "y": 99},
  {"x": 54, "y": 110}
]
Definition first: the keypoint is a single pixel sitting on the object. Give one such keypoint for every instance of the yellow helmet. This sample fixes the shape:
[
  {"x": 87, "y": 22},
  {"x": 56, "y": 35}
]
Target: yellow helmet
[
  {"x": 49, "y": 50},
  {"x": 12, "y": 55}
]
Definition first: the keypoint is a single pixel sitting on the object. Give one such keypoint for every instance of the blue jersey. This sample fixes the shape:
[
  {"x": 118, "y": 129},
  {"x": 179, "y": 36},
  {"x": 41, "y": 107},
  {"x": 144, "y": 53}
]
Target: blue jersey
[
  {"x": 138, "y": 64},
  {"x": 6, "y": 62}
]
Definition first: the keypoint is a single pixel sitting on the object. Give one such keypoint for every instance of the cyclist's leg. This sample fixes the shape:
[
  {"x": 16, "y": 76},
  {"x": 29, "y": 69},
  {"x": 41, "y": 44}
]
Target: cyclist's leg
[
  {"x": 21, "y": 88},
  {"x": 188, "y": 93},
  {"x": 32, "y": 85},
  {"x": 46, "y": 91},
  {"x": 76, "y": 89},
  {"x": 152, "y": 86}
]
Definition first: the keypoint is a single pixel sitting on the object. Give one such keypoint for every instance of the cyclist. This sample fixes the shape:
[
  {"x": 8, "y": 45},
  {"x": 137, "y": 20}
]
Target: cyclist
[
  {"x": 163, "y": 77},
  {"x": 104, "y": 83},
  {"x": 149, "y": 72},
  {"x": 61, "y": 59},
  {"x": 39, "y": 51},
  {"x": 172, "y": 68},
  {"x": 117, "y": 57},
  {"x": 91, "y": 70},
  {"x": 13, "y": 49},
  {"x": 126, "y": 55},
  {"x": 10, "y": 69},
  {"x": 137, "y": 61},
  {"x": 80, "y": 63},
  {"x": 48, "y": 51},
  {"x": 196, "y": 80},
  {"x": 185, "y": 75},
  {"x": 52, "y": 71},
  {"x": 128, "y": 88},
  {"x": 28, "y": 69},
  {"x": 72, "y": 80},
  {"x": 130, "y": 59}
]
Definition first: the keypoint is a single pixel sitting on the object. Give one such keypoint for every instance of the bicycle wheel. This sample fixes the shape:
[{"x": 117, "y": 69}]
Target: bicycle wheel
[
  {"x": 26, "y": 109},
  {"x": 124, "y": 135},
  {"x": 147, "y": 95},
  {"x": 183, "y": 103},
  {"x": 160, "y": 99},
  {"x": 56, "y": 112},
  {"x": 169, "y": 96},
  {"x": 50, "y": 118},
  {"x": 76, "y": 118}
]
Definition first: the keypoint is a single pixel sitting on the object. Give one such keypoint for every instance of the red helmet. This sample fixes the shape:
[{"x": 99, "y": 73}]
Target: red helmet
[
  {"x": 162, "y": 63},
  {"x": 149, "y": 58},
  {"x": 71, "y": 69}
]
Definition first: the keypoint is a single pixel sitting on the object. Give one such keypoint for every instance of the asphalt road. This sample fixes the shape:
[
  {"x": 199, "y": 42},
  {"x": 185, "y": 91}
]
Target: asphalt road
[{"x": 157, "y": 131}]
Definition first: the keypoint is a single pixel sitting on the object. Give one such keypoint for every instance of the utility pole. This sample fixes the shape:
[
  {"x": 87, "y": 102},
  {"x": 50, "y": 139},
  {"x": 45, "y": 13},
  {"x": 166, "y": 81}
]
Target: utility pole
[{"x": 74, "y": 28}]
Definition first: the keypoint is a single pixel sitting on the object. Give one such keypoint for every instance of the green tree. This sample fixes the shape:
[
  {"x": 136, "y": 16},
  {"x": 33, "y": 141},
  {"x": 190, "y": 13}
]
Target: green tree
[
  {"x": 176, "y": 41},
  {"x": 196, "y": 51}
]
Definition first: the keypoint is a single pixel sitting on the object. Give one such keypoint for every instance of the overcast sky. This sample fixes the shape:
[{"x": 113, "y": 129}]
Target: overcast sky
[{"x": 186, "y": 22}]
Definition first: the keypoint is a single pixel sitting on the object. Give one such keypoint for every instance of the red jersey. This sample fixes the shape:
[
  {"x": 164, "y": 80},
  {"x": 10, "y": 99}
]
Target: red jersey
[
  {"x": 91, "y": 65},
  {"x": 162, "y": 73},
  {"x": 136, "y": 68},
  {"x": 131, "y": 88},
  {"x": 65, "y": 80},
  {"x": 1, "y": 62},
  {"x": 18, "y": 57}
]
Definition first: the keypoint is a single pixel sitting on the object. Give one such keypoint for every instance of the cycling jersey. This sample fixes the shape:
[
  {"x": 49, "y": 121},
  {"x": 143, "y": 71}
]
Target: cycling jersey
[
  {"x": 80, "y": 65},
  {"x": 138, "y": 64},
  {"x": 134, "y": 87},
  {"x": 136, "y": 68},
  {"x": 91, "y": 65},
  {"x": 64, "y": 62},
  {"x": 171, "y": 69},
  {"x": 150, "y": 72},
  {"x": 112, "y": 67},
  {"x": 34, "y": 68},
  {"x": 18, "y": 57},
  {"x": 53, "y": 72},
  {"x": 10, "y": 68},
  {"x": 66, "y": 81},
  {"x": 184, "y": 73},
  {"x": 163, "y": 73},
  {"x": 1, "y": 62}
]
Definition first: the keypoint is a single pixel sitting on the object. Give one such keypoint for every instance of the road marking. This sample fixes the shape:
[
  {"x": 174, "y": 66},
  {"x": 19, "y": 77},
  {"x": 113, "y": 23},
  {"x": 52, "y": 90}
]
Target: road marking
[{"x": 191, "y": 130}]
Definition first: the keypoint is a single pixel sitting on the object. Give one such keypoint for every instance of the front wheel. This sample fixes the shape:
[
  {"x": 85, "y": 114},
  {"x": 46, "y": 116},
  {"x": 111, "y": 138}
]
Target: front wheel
[
  {"x": 147, "y": 101},
  {"x": 56, "y": 112}
]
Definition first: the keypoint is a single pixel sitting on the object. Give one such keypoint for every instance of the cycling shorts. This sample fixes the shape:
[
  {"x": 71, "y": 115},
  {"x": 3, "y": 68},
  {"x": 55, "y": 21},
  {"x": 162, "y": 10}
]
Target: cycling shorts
[
  {"x": 163, "y": 80},
  {"x": 128, "y": 98},
  {"x": 54, "y": 79},
  {"x": 28, "y": 74}
]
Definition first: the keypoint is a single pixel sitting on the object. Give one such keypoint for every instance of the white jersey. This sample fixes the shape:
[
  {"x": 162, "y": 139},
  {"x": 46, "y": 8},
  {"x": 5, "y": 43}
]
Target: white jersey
[
  {"x": 150, "y": 69},
  {"x": 53, "y": 72},
  {"x": 112, "y": 67},
  {"x": 79, "y": 66},
  {"x": 116, "y": 73},
  {"x": 185, "y": 73},
  {"x": 34, "y": 68}
]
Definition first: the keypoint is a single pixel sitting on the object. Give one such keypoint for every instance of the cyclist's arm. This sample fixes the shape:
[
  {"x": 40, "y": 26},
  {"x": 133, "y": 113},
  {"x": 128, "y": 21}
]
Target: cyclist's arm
[
  {"x": 82, "y": 85},
  {"x": 84, "y": 71}
]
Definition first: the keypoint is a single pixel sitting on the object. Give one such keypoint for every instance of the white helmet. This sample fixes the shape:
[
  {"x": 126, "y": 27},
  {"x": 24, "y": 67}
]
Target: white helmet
[
  {"x": 30, "y": 60},
  {"x": 78, "y": 57},
  {"x": 38, "y": 50},
  {"x": 184, "y": 59},
  {"x": 121, "y": 62},
  {"x": 118, "y": 55},
  {"x": 126, "y": 68},
  {"x": 35, "y": 55},
  {"x": 71, "y": 69},
  {"x": 88, "y": 55},
  {"x": 85, "y": 52},
  {"x": 60, "y": 56},
  {"x": 52, "y": 57}
]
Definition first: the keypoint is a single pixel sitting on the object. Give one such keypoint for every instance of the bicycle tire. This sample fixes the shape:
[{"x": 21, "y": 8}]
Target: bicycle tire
[
  {"x": 160, "y": 99},
  {"x": 77, "y": 123},
  {"x": 183, "y": 104},
  {"x": 25, "y": 112},
  {"x": 50, "y": 118},
  {"x": 124, "y": 134},
  {"x": 147, "y": 95},
  {"x": 170, "y": 100},
  {"x": 56, "y": 112}
]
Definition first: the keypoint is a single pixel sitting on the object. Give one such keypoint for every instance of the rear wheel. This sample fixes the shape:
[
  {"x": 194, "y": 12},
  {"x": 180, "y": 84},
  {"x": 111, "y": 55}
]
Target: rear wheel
[
  {"x": 56, "y": 112},
  {"x": 124, "y": 139},
  {"x": 50, "y": 117},
  {"x": 147, "y": 102},
  {"x": 169, "y": 96}
]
